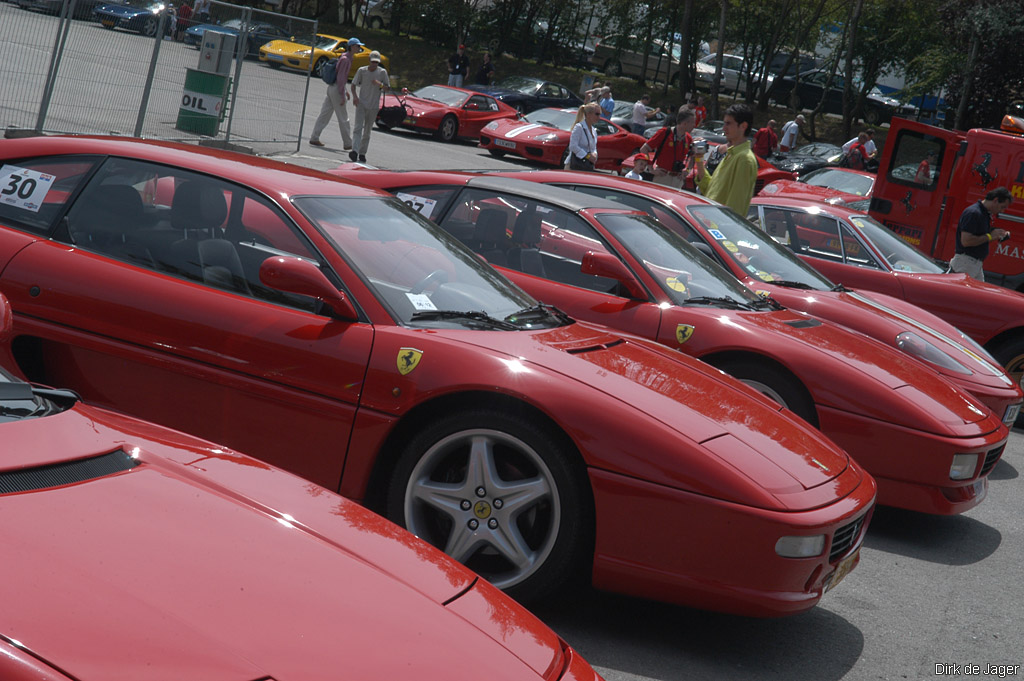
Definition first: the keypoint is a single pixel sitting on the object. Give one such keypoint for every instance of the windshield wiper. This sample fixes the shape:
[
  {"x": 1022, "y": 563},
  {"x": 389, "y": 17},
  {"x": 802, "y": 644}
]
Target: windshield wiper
[
  {"x": 839, "y": 288},
  {"x": 538, "y": 312},
  {"x": 719, "y": 301},
  {"x": 793, "y": 284},
  {"x": 481, "y": 318}
]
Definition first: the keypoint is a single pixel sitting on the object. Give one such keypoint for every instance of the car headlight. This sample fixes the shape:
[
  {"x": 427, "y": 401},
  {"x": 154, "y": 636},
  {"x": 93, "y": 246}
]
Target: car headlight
[
  {"x": 493, "y": 125},
  {"x": 801, "y": 547},
  {"x": 302, "y": 53},
  {"x": 913, "y": 344},
  {"x": 963, "y": 466},
  {"x": 550, "y": 137}
]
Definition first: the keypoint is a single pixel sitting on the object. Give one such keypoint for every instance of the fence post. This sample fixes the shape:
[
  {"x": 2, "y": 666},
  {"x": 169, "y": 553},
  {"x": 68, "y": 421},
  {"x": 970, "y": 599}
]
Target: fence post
[
  {"x": 66, "y": 14},
  {"x": 148, "y": 88}
]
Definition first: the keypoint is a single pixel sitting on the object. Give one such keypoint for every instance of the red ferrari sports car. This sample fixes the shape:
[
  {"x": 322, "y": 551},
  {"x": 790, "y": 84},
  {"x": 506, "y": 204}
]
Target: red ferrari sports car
[
  {"x": 136, "y": 552},
  {"x": 929, "y": 444},
  {"x": 851, "y": 247},
  {"x": 327, "y": 327},
  {"x": 446, "y": 112},
  {"x": 770, "y": 268},
  {"x": 837, "y": 186},
  {"x": 543, "y": 136}
]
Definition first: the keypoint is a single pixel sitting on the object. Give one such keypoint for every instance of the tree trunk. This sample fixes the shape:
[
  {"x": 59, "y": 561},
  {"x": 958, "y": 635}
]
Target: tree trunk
[
  {"x": 686, "y": 84},
  {"x": 855, "y": 13},
  {"x": 716, "y": 83},
  {"x": 965, "y": 94}
]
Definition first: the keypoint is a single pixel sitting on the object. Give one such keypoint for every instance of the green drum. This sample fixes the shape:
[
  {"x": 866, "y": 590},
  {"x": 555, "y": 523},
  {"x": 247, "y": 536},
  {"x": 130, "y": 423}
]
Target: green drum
[{"x": 204, "y": 100}]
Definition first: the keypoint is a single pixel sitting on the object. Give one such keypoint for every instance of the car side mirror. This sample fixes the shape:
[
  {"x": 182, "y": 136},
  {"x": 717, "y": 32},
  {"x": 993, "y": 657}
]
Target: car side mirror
[
  {"x": 6, "y": 318},
  {"x": 609, "y": 266},
  {"x": 296, "y": 275}
]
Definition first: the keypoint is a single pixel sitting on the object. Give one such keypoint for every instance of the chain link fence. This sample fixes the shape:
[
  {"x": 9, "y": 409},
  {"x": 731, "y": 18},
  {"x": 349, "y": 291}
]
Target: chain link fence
[{"x": 79, "y": 76}]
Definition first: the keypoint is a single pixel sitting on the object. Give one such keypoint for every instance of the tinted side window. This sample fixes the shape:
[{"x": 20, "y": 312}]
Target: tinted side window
[
  {"x": 34, "y": 193},
  {"x": 915, "y": 159},
  {"x": 187, "y": 225}
]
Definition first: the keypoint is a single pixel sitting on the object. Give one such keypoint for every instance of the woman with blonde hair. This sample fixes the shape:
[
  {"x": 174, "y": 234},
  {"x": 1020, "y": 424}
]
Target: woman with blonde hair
[{"x": 583, "y": 139}]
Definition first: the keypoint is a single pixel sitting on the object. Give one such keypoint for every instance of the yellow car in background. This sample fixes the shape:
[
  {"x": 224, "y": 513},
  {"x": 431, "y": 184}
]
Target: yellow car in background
[{"x": 278, "y": 53}]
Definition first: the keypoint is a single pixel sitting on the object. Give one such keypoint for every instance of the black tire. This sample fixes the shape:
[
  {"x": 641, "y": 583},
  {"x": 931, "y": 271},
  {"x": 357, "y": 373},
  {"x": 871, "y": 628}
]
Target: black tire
[
  {"x": 318, "y": 66},
  {"x": 1010, "y": 355},
  {"x": 149, "y": 26},
  {"x": 496, "y": 153},
  {"x": 613, "y": 68},
  {"x": 377, "y": 23},
  {"x": 774, "y": 383},
  {"x": 448, "y": 130},
  {"x": 872, "y": 116},
  {"x": 452, "y": 486}
]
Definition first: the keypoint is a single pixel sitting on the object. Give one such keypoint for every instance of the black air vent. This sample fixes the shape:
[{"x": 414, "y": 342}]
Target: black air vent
[
  {"x": 804, "y": 323},
  {"x": 592, "y": 348},
  {"x": 29, "y": 479}
]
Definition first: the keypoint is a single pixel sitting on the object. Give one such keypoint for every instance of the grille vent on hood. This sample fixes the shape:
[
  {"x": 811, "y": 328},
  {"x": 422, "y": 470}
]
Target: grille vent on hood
[
  {"x": 55, "y": 475},
  {"x": 804, "y": 323},
  {"x": 592, "y": 348}
]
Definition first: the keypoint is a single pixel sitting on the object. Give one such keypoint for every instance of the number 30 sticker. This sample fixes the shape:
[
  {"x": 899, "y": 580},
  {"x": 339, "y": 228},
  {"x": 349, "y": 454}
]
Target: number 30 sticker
[{"x": 24, "y": 188}]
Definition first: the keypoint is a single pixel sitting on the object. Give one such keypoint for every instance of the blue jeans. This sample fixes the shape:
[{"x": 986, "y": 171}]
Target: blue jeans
[{"x": 455, "y": 79}]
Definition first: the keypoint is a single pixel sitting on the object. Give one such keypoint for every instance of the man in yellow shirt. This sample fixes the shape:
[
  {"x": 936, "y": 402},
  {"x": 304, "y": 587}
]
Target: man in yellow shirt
[{"x": 734, "y": 179}]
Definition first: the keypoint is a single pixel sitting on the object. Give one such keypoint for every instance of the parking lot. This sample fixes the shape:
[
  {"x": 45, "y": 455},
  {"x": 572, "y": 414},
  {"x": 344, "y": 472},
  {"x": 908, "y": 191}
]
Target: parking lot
[{"x": 933, "y": 597}]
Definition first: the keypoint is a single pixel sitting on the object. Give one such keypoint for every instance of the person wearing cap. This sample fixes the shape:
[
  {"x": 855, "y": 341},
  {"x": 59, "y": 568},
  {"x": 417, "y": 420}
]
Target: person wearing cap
[
  {"x": 367, "y": 87},
  {"x": 334, "y": 101},
  {"x": 458, "y": 65},
  {"x": 640, "y": 164}
]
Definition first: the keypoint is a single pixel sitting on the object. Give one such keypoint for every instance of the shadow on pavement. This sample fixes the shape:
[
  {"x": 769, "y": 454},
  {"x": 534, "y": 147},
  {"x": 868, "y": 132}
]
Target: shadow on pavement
[
  {"x": 945, "y": 540},
  {"x": 662, "y": 641}
]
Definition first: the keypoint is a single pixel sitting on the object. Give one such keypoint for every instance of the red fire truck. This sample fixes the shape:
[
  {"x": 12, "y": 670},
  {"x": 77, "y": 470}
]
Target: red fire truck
[{"x": 927, "y": 177}]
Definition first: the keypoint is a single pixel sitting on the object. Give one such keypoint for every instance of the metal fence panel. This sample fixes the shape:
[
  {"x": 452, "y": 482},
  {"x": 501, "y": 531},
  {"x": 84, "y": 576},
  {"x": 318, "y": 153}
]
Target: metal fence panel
[{"x": 119, "y": 81}]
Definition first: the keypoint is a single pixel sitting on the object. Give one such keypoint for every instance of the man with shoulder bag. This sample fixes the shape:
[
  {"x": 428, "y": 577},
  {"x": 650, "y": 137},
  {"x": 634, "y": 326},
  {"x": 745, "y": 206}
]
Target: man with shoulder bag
[
  {"x": 336, "y": 77},
  {"x": 671, "y": 150}
]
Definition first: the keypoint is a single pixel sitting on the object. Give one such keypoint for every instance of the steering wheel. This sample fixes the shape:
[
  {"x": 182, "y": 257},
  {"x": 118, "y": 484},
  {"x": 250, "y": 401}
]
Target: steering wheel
[{"x": 435, "y": 277}]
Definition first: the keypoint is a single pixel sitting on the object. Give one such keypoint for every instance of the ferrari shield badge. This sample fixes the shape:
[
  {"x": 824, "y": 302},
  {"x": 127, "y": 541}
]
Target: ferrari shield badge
[
  {"x": 683, "y": 333},
  {"x": 408, "y": 359}
]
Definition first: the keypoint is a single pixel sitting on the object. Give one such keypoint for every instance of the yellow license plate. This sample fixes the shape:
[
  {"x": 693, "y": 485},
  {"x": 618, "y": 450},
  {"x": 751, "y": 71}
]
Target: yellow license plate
[{"x": 842, "y": 570}]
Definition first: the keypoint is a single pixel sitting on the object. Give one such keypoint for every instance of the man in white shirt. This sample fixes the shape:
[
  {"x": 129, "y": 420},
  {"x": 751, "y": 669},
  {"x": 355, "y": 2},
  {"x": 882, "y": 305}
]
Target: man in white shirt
[
  {"x": 641, "y": 114},
  {"x": 869, "y": 146},
  {"x": 367, "y": 85},
  {"x": 790, "y": 131}
]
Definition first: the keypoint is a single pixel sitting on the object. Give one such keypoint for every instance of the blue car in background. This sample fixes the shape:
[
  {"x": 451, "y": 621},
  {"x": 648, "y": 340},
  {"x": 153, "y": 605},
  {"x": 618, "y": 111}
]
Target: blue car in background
[
  {"x": 141, "y": 16},
  {"x": 260, "y": 33}
]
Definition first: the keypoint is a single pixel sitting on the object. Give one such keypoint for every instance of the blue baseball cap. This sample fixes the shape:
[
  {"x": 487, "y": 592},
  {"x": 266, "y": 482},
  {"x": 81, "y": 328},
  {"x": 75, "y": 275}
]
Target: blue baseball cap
[{"x": 354, "y": 42}]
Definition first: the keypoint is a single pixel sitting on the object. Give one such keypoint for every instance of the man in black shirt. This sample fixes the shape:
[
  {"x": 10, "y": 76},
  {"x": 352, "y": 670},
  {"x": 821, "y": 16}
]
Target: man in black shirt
[
  {"x": 458, "y": 65},
  {"x": 974, "y": 232}
]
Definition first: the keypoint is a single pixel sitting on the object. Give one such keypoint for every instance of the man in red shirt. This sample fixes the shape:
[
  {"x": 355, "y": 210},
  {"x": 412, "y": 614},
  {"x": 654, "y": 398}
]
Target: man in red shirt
[
  {"x": 700, "y": 112},
  {"x": 671, "y": 150},
  {"x": 765, "y": 140},
  {"x": 857, "y": 156}
]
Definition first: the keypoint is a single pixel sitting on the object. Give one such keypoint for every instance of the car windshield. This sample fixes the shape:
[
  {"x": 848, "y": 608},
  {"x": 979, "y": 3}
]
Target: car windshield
[
  {"x": 520, "y": 84},
  {"x": 151, "y": 5},
  {"x": 900, "y": 255},
  {"x": 684, "y": 273},
  {"x": 851, "y": 183},
  {"x": 421, "y": 274},
  {"x": 19, "y": 401},
  {"x": 232, "y": 23},
  {"x": 326, "y": 43},
  {"x": 444, "y": 95},
  {"x": 757, "y": 253},
  {"x": 553, "y": 118}
]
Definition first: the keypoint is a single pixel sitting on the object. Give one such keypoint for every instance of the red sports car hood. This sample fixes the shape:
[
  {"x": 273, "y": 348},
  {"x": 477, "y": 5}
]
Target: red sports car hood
[
  {"x": 793, "y": 189},
  {"x": 661, "y": 382},
  {"x": 523, "y": 130},
  {"x": 164, "y": 571},
  {"x": 907, "y": 392},
  {"x": 417, "y": 104}
]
